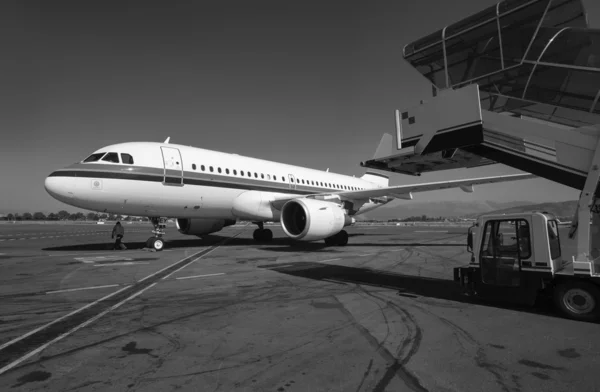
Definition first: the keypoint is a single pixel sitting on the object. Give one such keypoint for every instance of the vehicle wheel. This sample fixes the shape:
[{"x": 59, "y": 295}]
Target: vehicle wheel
[
  {"x": 330, "y": 241},
  {"x": 342, "y": 238},
  {"x": 267, "y": 235},
  {"x": 578, "y": 300}
]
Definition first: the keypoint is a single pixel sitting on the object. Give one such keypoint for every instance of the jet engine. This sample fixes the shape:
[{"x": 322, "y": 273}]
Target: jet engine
[
  {"x": 200, "y": 227},
  {"x": 311, "y": 220}
]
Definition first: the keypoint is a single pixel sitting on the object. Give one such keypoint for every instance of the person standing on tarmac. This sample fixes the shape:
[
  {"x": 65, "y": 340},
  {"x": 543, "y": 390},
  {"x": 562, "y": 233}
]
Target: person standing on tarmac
[{"x": 119, "y": 232}]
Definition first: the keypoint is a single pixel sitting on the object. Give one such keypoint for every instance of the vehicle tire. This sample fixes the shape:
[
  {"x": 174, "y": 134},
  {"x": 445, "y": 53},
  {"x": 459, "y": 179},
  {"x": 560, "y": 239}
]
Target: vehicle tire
[
  {"x": 578, "y": 300},
  {"x": 330, "y": 241},
  {"x": 257, "y": 235},
  {"x": 342, "y": 238}
]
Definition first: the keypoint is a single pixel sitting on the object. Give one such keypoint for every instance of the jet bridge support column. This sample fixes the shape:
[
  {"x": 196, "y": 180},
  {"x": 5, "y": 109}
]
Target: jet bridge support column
[{"x": 588, "y": 208}]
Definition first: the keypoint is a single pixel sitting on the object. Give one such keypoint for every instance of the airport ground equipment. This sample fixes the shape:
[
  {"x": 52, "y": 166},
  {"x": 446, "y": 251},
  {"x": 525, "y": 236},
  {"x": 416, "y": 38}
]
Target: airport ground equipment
[
  {"x": 519, "y": 84},
  {"x": 518, "y": 257}
]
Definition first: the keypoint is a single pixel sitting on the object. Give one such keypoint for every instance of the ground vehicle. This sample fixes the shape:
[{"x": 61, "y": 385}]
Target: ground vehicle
[{"x": 518, "y": 257}]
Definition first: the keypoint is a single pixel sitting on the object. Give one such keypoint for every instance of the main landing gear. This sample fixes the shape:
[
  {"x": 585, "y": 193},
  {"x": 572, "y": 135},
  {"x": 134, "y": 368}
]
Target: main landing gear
[
  {"x": 340, "y": 239},
  {"x": 157, "y": 242},
  {"x": 261, "y": 234}
]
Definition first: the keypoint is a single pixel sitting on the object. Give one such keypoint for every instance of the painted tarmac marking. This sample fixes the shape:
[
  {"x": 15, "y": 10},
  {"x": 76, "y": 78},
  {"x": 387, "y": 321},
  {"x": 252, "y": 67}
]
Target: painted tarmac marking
[
  {"x": 15, "y": 340},
  {"x": 82, "y": 288},
  {"x": 204, "y": 254},
  {"x": 199, "y": 276},
  {"x": 431, "y": 231},
  {"x": 322, "y": 261},
  {"x": 367, "y": 254},
  {"x": 96, "y": 259},
  {"x": 19, "y": 346},
  {"x": 78, "y": 327},
  {"x": 120, "y": 263}
]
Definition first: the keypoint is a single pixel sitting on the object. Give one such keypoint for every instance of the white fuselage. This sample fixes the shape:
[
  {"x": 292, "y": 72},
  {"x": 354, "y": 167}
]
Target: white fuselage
[{"x": 169, "y": 180}]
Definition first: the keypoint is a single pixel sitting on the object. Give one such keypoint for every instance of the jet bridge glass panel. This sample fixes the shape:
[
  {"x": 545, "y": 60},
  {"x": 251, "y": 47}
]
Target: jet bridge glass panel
[{"x": 529, "y": 57}]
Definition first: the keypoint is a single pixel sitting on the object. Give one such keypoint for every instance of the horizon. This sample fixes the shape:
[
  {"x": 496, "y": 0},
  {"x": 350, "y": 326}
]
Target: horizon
[{"x": 307, "y": 84}]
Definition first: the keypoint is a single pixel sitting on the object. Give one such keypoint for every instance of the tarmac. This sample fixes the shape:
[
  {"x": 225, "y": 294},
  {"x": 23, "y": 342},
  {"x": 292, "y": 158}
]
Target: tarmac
[{"x": 223, "y": 313}]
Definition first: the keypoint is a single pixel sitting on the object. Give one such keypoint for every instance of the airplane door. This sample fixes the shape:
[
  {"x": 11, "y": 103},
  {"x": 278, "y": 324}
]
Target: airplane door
[
  {"x": 292, "y": 181},
  {"x": 173, "y": 166}
]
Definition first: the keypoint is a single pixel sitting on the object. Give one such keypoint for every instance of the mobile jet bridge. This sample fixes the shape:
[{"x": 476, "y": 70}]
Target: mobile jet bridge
[{"x": 519, "y": 84}]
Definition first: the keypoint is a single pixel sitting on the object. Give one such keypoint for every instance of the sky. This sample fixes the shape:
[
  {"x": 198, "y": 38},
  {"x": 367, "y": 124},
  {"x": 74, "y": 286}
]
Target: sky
[{"x": 309, "y": 83}]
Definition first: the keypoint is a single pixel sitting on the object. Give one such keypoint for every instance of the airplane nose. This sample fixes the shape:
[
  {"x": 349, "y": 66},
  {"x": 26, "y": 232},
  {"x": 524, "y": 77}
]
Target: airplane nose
[{"x": 59, "y": 188}]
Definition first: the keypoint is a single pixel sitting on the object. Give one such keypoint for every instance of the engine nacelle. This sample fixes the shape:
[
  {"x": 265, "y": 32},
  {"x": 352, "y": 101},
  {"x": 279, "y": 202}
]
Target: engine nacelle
[
  {"x": 311, "y": 220},
  {"x": 200, "y": 227}
]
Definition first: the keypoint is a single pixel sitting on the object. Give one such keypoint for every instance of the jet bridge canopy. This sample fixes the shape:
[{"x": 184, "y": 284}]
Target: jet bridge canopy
[{"x": 529, "y": 57}]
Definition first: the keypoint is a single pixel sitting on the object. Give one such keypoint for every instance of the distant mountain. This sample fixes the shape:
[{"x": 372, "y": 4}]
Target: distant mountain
[
  {"x": 446, "y": 209},
  {"x": 560, "y": 209}
]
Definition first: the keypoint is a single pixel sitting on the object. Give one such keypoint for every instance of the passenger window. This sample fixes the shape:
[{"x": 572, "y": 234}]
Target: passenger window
[
  {"x": 234, "y": 172},
  {"x": 262, "y": 176},
  {"x": 250, "y": 174},
  {"x": 283, "y": 178},
  {"x": 211, "y": 169},
  {"x": 291, "y": 179},
  {"x": 227, "y": 171},
  {"x": 111, "y": 157},
  {"x": 255, "y": 175},
  {"x": 241, "y": 172},
  {"x": 193, "y": 165},
  {"x": 202, "y": 168},
  {"x": 94, "y": 157},
  {"x": 127, "y": 159}
]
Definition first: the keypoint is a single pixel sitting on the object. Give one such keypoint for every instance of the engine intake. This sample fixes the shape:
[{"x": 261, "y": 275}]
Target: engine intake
[
  {"x": 311, "y": 220},
  {"x": 200, "y": 227}
]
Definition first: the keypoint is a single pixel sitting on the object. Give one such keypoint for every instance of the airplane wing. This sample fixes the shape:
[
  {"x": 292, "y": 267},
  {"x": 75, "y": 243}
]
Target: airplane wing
[{"x": 405, "y": 191}]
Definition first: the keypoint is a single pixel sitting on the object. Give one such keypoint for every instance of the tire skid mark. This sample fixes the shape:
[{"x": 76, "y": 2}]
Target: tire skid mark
[{"x": 465, "y": 339}]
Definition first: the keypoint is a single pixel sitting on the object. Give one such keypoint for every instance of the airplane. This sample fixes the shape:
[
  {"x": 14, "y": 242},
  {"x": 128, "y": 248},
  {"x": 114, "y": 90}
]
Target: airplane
[{"x": 207, "y": 190}]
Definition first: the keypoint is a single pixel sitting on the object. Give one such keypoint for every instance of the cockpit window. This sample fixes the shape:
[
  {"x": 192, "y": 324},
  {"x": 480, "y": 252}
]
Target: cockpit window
[
  {"x": 111, "y": 157},
  {"x": 128, "y": 159},
  {"x": 94, "y": 157}
]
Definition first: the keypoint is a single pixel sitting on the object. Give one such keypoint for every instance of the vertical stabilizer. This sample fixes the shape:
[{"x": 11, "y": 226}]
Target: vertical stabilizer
[{"x": 384, "y": 149}]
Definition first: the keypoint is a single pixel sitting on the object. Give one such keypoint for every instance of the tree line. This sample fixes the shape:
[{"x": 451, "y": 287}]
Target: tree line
[{"x": 65, "y": 215}]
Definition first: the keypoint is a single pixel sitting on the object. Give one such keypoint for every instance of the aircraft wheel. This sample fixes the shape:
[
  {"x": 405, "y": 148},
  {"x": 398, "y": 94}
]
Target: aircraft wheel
[
  {"x": 342, "y": 238},
  {"x": 578, "y": 300},
  {"x": 155, "y": 243},
  {"x": 257, "y": 235},
  {"x": 267, "y": 235}
]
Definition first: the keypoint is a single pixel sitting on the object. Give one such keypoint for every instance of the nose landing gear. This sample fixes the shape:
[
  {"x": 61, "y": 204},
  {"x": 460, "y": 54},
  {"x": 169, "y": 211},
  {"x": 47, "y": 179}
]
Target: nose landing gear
[{"x": 157, "y": 242}]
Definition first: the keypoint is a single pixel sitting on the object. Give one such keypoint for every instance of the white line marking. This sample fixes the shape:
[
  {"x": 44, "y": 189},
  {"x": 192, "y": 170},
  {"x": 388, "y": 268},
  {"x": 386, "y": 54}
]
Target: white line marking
[
  {"x": 120, "y": 263},
  {"x": 59, "y": 319},
  {"x": 322, "y": 261},
  {"x": 82, "y": 288},
  {"x": 199, "y": 276},
  {"x": 64, "y": 335},
  {"x": 431, "y": 231},
  {"x": 396, "y": 250},
  {"x": 367, "y": 254},
  {"x": 210, "y": 251}
]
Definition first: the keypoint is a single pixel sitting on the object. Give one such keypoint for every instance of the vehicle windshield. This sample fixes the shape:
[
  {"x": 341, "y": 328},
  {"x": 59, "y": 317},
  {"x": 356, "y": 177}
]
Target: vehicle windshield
[{"x": 94, "y": 157}]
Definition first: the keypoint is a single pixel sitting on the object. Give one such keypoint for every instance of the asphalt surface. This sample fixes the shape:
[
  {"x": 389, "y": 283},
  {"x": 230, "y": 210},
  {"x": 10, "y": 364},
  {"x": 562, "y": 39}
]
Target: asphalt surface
[{"x": 226, "y": 314}]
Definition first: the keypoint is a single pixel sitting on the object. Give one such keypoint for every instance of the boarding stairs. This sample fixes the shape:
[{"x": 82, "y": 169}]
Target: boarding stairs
[{"x": 517, "y": 84}]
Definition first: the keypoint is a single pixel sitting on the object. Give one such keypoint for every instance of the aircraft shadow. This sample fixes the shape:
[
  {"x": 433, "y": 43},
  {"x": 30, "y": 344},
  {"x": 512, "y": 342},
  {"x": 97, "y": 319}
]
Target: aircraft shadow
[
  {"x": 280, "y": 244},
  {"x": 406, "y": 285}
]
